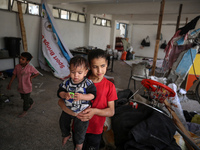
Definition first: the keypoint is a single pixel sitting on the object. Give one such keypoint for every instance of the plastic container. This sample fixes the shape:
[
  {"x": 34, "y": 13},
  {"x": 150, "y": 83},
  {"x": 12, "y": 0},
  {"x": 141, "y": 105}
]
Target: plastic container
[
  {"x": 115, "y": 53},
  {"x": 9, "y": 72},
  {"x": 133, "y": 56},
  {"x": 123, "y": 57},
  {"x": 4, "y": 53},
  {"x": 119, "y": 54},
  {"x": 12, "y": 44}
]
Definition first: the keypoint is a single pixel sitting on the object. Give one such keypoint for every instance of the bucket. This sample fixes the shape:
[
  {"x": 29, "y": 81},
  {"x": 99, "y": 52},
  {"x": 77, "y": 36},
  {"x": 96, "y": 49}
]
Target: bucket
[{"x": 12, "y": 44}]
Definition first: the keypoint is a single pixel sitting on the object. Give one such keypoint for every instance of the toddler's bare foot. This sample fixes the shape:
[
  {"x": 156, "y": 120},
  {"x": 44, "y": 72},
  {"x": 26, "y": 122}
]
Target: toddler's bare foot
[
  {"x": 64, "y": 141},
  {"x": 79, "y": 146}
]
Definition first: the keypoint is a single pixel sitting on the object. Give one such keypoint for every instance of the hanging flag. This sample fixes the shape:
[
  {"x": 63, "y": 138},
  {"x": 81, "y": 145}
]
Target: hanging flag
[{"x": 54, "y": 51}]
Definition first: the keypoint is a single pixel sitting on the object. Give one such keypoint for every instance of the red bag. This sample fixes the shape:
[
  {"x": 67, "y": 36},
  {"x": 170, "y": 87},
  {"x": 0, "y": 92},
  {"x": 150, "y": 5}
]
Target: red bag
[{"x": 123, "y": 57}]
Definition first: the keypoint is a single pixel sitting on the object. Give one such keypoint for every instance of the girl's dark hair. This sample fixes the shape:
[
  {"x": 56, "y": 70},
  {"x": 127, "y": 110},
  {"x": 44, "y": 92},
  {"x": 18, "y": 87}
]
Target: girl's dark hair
[
  {"x": 27, "y": 55},
  {"x": 97, "y": 53},
  {"x": 78, "y": 61}
]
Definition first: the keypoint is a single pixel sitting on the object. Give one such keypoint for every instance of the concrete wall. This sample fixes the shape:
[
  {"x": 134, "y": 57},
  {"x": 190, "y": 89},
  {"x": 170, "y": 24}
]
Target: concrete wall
[
  {"x": 10, "y": 27},
  {"x": 141, "y": 31},
  {"x": 75, "y": 34},
  {"x": 86, "y": 34}
]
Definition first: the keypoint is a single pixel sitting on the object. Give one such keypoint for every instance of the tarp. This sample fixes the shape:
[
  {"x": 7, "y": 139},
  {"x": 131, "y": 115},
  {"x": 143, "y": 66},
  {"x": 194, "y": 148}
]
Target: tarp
[{"x": 54, "y": 50}]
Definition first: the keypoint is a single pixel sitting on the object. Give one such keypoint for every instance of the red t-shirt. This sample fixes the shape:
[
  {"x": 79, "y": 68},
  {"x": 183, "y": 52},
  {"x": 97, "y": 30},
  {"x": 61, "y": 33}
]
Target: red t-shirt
[{"x": 106, "y": 92}]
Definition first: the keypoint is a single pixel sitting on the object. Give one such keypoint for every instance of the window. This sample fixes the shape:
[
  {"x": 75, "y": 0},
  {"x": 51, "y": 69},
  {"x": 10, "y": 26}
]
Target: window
[
  {"x": 98, "y": 22},
  {"x": 33, "y": 9},
  {"x": 101, "y": 22},
  {"x": 56, "y": 12},
  {"x": 81, "y": 18},
  {"x": 4, "y": 4},
  {"x": 68, "y": 15},
  {"x": 15, "y": 8},
  {"x": 108, "y": 23},
  {"x": 74, "y": 16},
  {"x": 27, "y": 7},
  {"x": 64, "y": 14},
  {"x": 117, "y": 26}
]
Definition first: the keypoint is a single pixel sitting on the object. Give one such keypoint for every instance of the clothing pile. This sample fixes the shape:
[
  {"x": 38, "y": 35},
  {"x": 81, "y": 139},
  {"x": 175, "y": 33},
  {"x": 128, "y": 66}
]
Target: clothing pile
[
  {"x": 139, "y": 127},
  {"x": 143, "y": 128}
]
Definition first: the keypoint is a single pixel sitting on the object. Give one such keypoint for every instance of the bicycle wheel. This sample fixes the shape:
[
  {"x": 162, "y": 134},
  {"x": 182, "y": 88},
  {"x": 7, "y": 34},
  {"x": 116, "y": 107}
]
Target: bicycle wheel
[{"x": 197, "y": 92}]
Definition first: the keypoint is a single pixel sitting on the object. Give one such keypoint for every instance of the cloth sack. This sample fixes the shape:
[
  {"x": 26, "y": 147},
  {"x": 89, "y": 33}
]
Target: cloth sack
[
  {"x": 129, "y": 56},
  {"x": 163, "y": 45},
  {"x": 146, "y": 42}
]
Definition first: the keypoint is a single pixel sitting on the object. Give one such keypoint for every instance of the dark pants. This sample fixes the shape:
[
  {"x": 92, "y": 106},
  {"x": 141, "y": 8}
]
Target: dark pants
[
  {"x": 80, "y": 127},
  {"x": 28, "y": 101},
  {"x": 91, "y": 142}
]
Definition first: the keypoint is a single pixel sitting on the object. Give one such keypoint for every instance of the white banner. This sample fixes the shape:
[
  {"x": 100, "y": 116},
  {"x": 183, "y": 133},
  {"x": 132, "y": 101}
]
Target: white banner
[{"x": 56, "y": 54}]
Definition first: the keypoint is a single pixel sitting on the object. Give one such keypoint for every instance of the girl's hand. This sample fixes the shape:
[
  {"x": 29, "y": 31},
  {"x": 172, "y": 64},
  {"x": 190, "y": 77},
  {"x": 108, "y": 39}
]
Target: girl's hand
[{"x": 86, "y": 114}]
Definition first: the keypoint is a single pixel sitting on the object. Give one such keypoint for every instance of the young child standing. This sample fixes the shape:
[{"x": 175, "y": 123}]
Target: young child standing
[
  {"x": 76, "y": 92},
  {"x": 103, "y": 106},
  {"x": 24, "y": 73}
]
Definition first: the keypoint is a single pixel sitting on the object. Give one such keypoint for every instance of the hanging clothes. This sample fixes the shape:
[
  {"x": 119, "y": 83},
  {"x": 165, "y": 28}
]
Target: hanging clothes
[
  {"x": 180, "y": 42},
  {"x": 191, "y": 25}
]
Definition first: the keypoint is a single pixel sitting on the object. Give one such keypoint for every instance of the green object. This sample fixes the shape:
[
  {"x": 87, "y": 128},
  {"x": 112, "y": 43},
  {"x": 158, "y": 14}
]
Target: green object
[{"x": 72, "y": 94}]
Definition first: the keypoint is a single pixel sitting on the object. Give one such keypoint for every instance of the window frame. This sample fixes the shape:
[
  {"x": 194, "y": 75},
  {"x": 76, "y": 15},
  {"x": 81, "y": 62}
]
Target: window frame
[
  {"x": 39, "y": 9},
  {"x": 12, "y": 2},
  {"x": 96, "y": 20},
  {"x": 81, "y": 17},
  {"x": 59, "y": 12},
  {"x": 70, "y": 15},
  {"x": 8, "y": 6}
]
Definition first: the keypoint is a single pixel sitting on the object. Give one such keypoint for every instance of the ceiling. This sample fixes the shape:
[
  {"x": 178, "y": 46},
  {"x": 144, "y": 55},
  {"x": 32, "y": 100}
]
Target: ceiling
[
  {"x": 88, "y": 2},
  {"x": 135, "y": 9}
]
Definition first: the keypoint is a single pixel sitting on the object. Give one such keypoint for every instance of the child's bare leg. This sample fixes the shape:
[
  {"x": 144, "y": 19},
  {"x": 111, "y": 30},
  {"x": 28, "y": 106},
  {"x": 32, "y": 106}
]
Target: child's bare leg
[
  {"x": 79, "y": 146},
  {"x": 64, "y": 141},
  {"x": 22, "y": 114}
]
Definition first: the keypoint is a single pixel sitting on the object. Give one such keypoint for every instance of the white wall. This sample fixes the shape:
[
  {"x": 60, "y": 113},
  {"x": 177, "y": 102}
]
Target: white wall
[
  {"x": 10, "y": 27},
  {"x": 86, "y": 34},
  {"x": 140, "y": 32},
  {"x": 100, "y": 37},
  {"x": 73, "y": 33}
]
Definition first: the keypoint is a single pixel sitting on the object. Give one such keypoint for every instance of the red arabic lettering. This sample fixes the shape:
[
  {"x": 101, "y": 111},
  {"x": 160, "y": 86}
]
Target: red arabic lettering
[
  {"x": 52, "y": 52},
  {"x": 58, "y": 61},
  {"x": 49, "y": 47}
]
